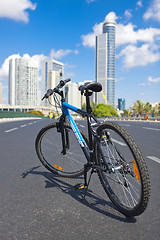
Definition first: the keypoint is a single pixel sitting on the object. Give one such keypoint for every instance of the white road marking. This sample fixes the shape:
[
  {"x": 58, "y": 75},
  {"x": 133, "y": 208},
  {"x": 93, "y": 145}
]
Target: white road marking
[
  {"x": 154, "y": 158},
  {"x": 118, "y": 142},
  {"x": 155, "y": 129},
  {"x": 10, "y": 130},
  {"x": 30, "y": 123},
  {"x": 23, "y": 125},
  {"x": 81, "y": 126},
  {"x": 127, "y": 125}
]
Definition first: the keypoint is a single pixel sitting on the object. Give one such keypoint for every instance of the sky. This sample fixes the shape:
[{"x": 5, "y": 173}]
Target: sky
[{"x": 65, "y": 30}]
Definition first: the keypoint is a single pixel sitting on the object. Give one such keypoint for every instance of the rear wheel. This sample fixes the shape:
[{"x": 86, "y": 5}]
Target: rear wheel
[
  {"x": 49, "y": 151},
  {"x": 127, "y": 181}
]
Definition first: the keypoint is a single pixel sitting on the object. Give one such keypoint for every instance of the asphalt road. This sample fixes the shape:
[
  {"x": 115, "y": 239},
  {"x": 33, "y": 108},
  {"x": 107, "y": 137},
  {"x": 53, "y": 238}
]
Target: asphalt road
[{"x": 35, "y": 204}]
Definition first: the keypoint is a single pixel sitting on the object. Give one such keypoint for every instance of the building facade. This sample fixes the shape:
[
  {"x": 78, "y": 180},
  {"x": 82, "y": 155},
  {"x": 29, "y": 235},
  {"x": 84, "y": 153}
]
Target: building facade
[
  {"x": 105, "y": 63},
  {"x": 72, "y": 94},
  {"x": 121, "y": 104},
  {"x": 52, "y": 72},
  {"x": 23, "y": 82},
  {"x": 0, "y": 93}
]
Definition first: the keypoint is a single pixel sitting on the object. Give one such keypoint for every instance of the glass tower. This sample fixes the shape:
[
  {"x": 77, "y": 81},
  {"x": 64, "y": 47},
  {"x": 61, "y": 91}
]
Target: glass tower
[
  {"x": 51, "y": 73},
  {"x": 105, "y": 63}
]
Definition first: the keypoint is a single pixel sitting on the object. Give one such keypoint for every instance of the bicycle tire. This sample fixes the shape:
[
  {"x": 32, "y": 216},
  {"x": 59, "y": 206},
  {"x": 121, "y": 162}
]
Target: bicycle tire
[
  {"x": 127, "y": 186},
  {"x": 48, "y": 146}
]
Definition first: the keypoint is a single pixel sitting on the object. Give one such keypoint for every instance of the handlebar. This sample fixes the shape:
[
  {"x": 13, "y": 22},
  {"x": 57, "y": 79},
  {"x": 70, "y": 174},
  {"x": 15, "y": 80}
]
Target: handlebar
[{"x": 56, "y": 89}]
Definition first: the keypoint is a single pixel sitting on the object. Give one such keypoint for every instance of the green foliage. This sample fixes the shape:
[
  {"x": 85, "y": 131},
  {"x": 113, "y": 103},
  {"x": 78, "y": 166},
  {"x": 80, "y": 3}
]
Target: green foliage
[
  {"x": 93, "y": 106},
  {"x": 142, "y": 108},
  {"x": 36, "y": 112},
  {"x": 103, "y": 110},
  {"x": 126, "y": 112}
]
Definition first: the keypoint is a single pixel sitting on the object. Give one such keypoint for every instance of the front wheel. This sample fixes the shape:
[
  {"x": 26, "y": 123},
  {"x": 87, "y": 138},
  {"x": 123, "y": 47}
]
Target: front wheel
[
  {"x": 49, "y": 150},
  {"x": 126, "y": 181}
]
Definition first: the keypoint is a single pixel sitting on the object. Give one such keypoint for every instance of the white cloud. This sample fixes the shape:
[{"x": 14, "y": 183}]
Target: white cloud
[
  {"x": 69, "y": 66},
  {"x": 90, "y": 1},
  {"x": 153, "y": 80},
  {"x": 125, "y": 34},
  {"x": 138, "y": 56},
  {"x": 139, "y": 3},
  {"x": 130, "y": 38},
  {"x": 153, "y": 12},
  {"x": 16, "y": 9},
  {"x": 62, "y": 53},
  {"x": 88, "y": 40},
  {"x": 128, "y": 13},
  {"x": 4, "y": 70},
  {"x": 111, "y": 17},
  {"x": 142, "y": 84},
  {"x": 69, "y": 74}
]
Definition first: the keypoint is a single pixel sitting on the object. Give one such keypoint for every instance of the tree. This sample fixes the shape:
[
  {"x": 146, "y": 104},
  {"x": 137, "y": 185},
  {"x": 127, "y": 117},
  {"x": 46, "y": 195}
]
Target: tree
[
  {"x": 103, "y": 110},
  {"x": 147, "y": 108},
  {"x": 93, "y": 105},
  {"x": 126, "y": 112},
  {"x": 158, "y": 107},
  {"x": 138, "y": 107}
]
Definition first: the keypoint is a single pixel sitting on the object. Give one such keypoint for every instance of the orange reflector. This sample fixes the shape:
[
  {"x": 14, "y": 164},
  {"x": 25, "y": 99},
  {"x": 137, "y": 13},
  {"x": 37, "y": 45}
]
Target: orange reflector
[
  {"x": 81, "y": 187},
  {"x": 136, "y": 170},
  {"x": 56, "y": 166}
]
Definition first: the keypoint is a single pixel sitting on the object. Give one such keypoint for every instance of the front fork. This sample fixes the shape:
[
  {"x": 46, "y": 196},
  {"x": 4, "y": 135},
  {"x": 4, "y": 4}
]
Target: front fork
[{"x": 64, "y": 134}]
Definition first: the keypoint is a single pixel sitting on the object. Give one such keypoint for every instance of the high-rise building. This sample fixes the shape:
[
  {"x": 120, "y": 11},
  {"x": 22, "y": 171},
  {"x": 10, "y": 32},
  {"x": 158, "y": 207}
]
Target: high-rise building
[
  {"x": 0, "y": 93},
  {"x": 121, "y": 104},
  {"x": 52, "y": 72},
  {"x": 72, "y": 94},
  {"x": 105, "y": 63},
  {"x": 23, "y": 82}
]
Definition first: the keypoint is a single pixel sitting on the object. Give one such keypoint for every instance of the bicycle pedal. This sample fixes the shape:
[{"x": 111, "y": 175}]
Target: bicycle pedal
[{"x": 79, "y": 186}]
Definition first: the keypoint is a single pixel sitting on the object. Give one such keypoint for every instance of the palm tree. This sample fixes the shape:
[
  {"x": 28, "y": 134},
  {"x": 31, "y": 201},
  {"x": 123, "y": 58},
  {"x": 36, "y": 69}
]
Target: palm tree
[
  {"x": 147, "y": 108},
  {"x": 138, "y": 107},
  {"x": 126, "y": 112}
]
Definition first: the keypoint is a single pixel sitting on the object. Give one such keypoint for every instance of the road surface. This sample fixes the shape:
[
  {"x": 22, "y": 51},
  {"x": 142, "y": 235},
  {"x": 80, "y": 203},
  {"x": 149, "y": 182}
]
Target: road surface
[{"x": 35, "y": 204}]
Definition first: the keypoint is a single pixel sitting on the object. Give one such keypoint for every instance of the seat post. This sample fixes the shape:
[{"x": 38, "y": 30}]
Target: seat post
[
  {"x": 89, "y": 110},
  {"x": 88, "y": 106}
]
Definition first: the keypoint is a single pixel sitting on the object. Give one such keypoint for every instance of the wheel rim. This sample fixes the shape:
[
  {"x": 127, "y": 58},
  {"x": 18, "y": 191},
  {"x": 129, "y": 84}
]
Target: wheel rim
[
  {"x": 123, "y": 182},
  {"x": 51, "y": 153}
]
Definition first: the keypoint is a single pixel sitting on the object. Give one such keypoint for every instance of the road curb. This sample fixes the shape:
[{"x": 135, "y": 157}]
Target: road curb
[{"x": 17, "y": 119}]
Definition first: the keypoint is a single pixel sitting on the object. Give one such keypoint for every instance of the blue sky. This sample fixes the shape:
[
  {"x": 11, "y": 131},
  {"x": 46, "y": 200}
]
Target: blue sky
[{"x": 66, "y": 30}]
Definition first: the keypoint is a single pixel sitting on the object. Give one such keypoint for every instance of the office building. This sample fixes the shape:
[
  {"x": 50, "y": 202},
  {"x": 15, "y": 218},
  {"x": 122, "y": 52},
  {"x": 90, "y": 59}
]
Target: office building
[
  {"x": 52, "y": 72},
  {"x": 0, "y": 93},
  {"x": 105, "y": 63},
  {"x": 72, "y": 94},
  {"x": 121, "y": 104},
  {"x": 23, "y": 82}
]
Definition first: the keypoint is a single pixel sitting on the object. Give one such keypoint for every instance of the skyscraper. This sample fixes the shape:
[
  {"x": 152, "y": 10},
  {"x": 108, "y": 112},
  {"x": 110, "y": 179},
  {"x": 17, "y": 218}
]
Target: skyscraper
[
  {"x": 51, "y": 73},
  {"x": 0, "y": 93},
  {"x": 105, "y": 63},
  {"x": 121, "y": 104},
  {"x": 23, "y": 82}
]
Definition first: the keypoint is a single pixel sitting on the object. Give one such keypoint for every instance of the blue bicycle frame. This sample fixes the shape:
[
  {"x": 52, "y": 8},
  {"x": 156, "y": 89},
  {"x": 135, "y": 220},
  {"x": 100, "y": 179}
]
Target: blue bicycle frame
[{"x": 65, "y": 111}]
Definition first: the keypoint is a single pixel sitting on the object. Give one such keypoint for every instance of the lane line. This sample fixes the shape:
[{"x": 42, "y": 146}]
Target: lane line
[
  {"x": 82, "y": 126},
  {"x": 127, "y": 125},
  {"x": 23, "y": 125},
  {"x": 119, "y": 142},
  {"x": 154, "y": 158},
  {"x": 10, "y": 130},
  {"x": 155, "y": 129},
  {"x": 30, "y": 123}
]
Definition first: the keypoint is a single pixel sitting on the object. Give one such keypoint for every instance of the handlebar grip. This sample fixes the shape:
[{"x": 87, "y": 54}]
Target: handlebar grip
[
  {"x": 67, "y": 80},
  {"x": 48, "y": 94}
]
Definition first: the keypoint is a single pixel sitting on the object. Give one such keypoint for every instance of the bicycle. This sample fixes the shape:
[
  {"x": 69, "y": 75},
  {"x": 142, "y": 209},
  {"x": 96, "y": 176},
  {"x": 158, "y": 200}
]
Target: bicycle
[{"x": 108, "y": 150}]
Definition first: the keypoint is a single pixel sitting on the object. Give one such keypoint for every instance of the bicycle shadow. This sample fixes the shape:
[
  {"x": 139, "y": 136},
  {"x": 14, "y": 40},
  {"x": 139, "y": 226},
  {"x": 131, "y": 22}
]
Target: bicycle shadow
[{"x": 92, "y": 200}]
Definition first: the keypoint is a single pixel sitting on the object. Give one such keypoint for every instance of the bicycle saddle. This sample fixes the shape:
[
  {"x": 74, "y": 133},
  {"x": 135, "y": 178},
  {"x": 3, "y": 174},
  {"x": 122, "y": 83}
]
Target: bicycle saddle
[{"x": 94, "y": 87}]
